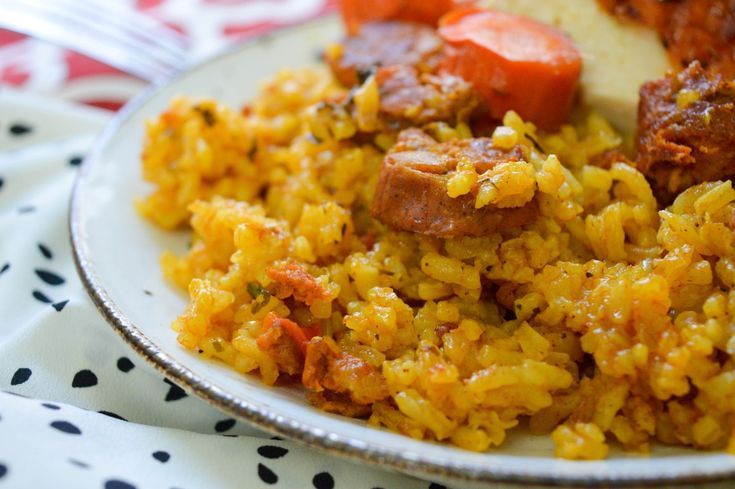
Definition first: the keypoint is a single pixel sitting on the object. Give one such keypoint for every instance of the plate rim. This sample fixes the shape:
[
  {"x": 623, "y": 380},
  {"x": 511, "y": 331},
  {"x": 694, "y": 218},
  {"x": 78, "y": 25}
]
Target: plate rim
[{"x": 308, "y": 435}]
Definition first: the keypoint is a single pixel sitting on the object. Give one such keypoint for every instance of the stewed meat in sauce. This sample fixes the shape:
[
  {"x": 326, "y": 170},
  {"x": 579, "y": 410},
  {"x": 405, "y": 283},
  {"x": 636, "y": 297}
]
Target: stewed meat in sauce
[{"x": 686, "y": 130}]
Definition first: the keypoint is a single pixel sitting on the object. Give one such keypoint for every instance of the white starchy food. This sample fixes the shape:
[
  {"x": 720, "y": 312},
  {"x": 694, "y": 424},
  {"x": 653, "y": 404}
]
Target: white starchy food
[{"x": 618, "y": 56}]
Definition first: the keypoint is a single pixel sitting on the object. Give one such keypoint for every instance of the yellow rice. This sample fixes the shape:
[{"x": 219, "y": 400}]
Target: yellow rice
[{"x": 608, "y": 320}]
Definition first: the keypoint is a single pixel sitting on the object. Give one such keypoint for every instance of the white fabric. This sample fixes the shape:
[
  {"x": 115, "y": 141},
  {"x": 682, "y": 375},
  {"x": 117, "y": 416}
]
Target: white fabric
[{"x": 56, "y": 350}]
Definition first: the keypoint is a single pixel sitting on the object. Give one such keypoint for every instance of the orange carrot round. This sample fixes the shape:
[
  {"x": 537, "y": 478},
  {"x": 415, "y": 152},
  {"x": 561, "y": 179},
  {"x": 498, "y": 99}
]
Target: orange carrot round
[
  {"x": 358, "y": 12},
  {"x": 514, "y": 62}
]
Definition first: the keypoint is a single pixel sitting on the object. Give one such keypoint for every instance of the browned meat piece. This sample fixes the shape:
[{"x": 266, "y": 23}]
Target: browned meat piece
[
  {"x": 329, "y": 369},
  {"x": 419, "y": 98},
  {"x": 282, "y": 348},
  {"x": 702, "y": 30},
  {"x": 686, "y": 130},
  {"x": 292, "y": 280},
  {"x": 609, "y": 158},
  {"x": 386, "y": 44},
  {"x": 411, "y": 194},
  {"x": 333, "y": 402}
]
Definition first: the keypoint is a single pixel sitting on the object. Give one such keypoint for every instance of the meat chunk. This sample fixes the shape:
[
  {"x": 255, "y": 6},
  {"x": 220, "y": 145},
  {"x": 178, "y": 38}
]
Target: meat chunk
[
  {"x": 329, "y": 371},
  {"x": 338, "y": 403},
  {"x": 282, "y": 348},
  {"x": 385, "y": 44},
  {"x": 406, "y": 95},
  {"x": 702, "y": 30},
  {"x": 411, "y": 193},
  {"x": 285, "y": 342},
  {"x": 291, "y": 279},
  {"x": 686, "y": 130}
]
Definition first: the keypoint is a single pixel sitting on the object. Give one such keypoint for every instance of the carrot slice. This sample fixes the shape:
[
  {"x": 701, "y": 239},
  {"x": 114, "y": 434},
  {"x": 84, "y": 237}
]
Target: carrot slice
[
  {"x": 357, "y": 12},
  {"x": 514, "y": 62}
]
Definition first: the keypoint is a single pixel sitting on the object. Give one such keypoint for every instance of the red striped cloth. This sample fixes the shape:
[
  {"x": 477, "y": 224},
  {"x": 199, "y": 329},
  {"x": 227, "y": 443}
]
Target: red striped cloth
[{"x": 210, "y": 24}]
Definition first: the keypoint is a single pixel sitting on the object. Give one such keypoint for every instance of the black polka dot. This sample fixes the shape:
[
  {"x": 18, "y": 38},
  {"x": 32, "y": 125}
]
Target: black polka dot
[
  {"x": 161, "y": 456},
  {"x": 435, "y": 485},
  {"x": 48, "y": 405},
  {"x": 3, "y": 470},
  {"x": 78, "y": 463},
  {"x": 59, "y": 306},
  {"x": 84, "y": 378},
  {"x": 2, "y": 182},
  {"x": 118, "y": 484},
  {"x": 45, "y": 251},
  {"x": 40, "y": 296},
  {"x": 19, "y": 129},
  {"x": 20, "y": 376},
  {"x": 124, "y": 364},
  {"x": 5, "y": 268},
  {"x": 224, "y": 425},
  {"x": 50, "y": 278},
  {"x": 266, "y": 474},
  {"x": 272, "y": 451},
  {"x": 323, "y": 480},
  {"x": 66, "y": 427},
  {"x": 147, "y": 292},
  {"x": 174, "y": 392},
  {"x": 76, "y": 160},
  {"x": 112, "y": 415}
]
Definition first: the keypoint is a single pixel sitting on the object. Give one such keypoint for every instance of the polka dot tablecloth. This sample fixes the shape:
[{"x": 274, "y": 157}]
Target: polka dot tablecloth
[{"x": 78, "y": 408}]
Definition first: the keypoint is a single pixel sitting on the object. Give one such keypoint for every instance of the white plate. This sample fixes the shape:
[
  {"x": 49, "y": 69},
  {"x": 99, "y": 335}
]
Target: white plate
[{"x": 117, "y": 257}]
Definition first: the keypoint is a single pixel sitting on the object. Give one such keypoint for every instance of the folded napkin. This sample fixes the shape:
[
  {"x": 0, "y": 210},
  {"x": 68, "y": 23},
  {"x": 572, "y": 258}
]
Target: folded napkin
[{"x": 79, "y": 408}]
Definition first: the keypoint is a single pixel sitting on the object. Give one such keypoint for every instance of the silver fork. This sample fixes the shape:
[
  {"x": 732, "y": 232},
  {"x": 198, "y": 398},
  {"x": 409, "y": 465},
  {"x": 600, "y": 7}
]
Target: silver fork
[{"x": 102, "y": 29}]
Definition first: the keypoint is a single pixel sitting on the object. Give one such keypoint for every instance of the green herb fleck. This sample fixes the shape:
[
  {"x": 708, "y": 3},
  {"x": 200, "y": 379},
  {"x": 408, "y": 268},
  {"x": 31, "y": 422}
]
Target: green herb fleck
[{"x": 260, "y": 296}]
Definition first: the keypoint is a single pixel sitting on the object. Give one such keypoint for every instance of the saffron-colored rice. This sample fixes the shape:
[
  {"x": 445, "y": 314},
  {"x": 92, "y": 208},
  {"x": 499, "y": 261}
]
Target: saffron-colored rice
[{"x": 607, "y": 320}]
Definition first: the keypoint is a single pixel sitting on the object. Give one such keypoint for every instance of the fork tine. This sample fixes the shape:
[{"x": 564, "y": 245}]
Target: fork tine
[
  {"x": 64, "y": 13},
  {"x": 137, "y": 24},
  {"x": 111, "y": 53},
  {"x": 84, "y": 26},
  {"x": 151, "y": 52}
]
